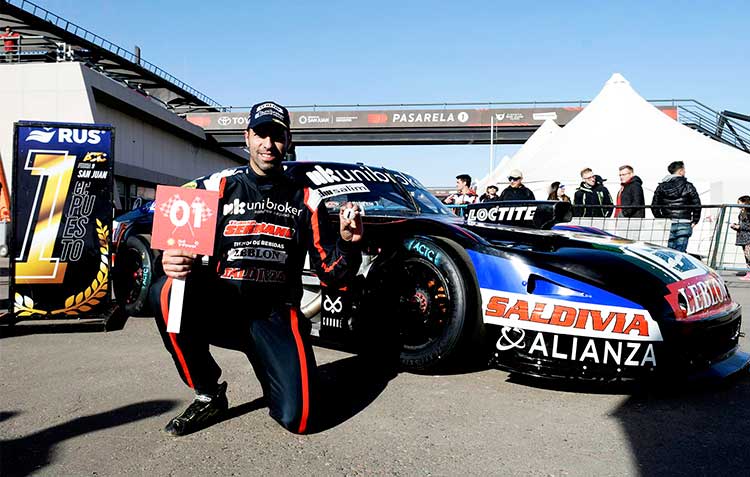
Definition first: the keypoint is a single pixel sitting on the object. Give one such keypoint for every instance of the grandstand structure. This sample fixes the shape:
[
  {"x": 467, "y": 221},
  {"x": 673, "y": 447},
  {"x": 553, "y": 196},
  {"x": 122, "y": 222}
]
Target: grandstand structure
[{"x": 62, "y": 72}]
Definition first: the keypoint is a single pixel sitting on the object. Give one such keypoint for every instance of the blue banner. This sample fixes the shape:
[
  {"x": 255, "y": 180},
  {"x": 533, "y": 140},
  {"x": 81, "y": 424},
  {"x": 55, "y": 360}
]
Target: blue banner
[{"x": 62, "y": 217}]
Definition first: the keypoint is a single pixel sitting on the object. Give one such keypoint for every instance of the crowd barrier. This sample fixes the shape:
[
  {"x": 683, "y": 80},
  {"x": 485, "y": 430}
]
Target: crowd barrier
[{"x": 713, "y": 239}]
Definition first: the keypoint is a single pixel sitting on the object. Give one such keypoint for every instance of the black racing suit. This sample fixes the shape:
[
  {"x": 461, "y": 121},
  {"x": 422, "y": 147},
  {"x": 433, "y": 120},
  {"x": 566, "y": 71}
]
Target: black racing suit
[{"x": 248, "y": 297}]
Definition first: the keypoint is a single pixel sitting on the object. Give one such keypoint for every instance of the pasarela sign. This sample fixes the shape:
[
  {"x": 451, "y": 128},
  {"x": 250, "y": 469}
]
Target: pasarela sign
[{"x": 185, "y": 219}]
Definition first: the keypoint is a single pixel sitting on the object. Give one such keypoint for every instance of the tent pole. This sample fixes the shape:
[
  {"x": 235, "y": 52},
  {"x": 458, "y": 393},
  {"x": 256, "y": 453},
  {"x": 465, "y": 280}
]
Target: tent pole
[{"x": 492, "y": 141}]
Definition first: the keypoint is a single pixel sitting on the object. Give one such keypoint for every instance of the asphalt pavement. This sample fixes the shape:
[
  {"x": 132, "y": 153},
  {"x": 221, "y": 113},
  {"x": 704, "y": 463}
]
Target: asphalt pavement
[{"x": 75, "y": 401}]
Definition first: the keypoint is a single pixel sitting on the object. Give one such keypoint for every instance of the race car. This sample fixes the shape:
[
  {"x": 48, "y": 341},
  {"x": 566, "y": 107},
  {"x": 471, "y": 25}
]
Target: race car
[{"x": 498, "y": 284}]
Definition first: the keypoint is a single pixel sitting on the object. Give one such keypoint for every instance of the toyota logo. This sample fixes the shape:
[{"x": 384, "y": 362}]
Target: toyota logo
[{"x": 224, "y": 120}]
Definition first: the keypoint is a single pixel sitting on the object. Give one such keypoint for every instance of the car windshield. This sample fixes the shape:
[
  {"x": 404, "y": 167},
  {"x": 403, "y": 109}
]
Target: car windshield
[{"x": 376, "y": 191}]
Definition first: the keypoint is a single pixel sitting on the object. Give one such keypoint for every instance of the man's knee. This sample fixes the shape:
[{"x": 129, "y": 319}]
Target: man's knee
[{"x": 291, "y": 417}]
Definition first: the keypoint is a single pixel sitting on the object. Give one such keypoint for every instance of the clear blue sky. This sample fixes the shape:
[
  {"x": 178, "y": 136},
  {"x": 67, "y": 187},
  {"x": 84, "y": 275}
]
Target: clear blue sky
[{"x": 344, "y": 52}]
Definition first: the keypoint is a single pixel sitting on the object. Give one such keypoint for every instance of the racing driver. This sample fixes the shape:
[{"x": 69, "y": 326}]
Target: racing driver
[{"x": 247, "y": 297}]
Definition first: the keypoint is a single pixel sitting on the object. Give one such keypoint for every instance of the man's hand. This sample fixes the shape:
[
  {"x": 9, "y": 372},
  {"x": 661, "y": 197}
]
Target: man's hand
[
  {"x": 350, "y": 222},
  {"x": 177, "y": 263}
]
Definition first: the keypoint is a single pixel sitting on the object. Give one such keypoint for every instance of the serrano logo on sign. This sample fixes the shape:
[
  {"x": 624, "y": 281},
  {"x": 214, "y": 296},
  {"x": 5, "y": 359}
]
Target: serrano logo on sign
[{"x": 568, "y": 317}]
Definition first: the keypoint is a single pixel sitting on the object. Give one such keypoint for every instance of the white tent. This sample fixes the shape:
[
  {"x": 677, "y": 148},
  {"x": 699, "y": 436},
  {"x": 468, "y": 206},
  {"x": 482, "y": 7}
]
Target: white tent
[
  {"x": 619, "y": 127},
  {"x": 499, "y": 176}
]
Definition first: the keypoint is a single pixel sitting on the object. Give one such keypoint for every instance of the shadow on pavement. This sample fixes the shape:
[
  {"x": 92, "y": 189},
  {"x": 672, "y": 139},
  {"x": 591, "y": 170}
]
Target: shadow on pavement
[
  {"x": 346, "y": 387},
  {"x": 28, "y": 454},
  {"x": 61, "y": 326},
  {"x": 693, "y": 429}
]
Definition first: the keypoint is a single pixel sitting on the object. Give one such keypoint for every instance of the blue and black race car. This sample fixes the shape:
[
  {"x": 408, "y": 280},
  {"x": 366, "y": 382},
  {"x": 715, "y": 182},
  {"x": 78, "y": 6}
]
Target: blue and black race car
[{"x": 498, "y": 283}]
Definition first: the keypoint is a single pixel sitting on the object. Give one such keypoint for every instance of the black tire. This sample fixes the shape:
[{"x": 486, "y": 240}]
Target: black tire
[
  {"x": 434, "y": 303},
  {"x": 134, "y": 272}
]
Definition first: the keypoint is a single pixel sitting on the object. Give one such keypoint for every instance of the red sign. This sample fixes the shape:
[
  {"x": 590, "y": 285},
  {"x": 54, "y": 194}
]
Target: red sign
[
  {"x": 185, "y": 219},
  {"x": 698, "y": 297}
]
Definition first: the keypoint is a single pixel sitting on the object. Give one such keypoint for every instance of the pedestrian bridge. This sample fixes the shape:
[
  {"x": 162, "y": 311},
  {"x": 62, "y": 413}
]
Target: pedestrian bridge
[{"x": 405, "y": 124}]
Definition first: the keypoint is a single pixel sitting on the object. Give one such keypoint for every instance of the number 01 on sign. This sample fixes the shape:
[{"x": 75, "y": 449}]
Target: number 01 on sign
[{"x": 184, "y": 219}]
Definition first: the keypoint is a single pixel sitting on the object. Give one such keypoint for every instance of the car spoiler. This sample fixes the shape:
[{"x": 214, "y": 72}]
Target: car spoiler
[{"x": 535, "y": 214}]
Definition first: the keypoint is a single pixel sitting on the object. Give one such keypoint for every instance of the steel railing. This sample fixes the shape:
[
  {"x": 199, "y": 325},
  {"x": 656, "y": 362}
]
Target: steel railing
[{"x": 95, "y": 39}]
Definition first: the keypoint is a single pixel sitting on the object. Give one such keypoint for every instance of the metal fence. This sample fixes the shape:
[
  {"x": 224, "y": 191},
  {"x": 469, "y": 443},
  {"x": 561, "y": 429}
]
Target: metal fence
[{"x": 713, "y": 239}]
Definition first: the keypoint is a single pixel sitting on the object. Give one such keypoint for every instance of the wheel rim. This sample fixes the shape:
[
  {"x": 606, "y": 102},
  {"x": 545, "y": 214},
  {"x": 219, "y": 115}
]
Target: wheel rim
[
  {"x": 131, "y": 276},
  {"x": 424, "y": 304}
]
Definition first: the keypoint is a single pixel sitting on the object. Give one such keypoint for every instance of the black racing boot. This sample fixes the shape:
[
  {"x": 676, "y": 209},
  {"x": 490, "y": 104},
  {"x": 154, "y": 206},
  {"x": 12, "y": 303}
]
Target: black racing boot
[{"x": 204, "y": 411}]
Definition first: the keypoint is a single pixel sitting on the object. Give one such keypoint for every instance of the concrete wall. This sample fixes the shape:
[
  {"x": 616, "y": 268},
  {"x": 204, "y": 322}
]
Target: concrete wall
[{"x": 151, "y": 143}]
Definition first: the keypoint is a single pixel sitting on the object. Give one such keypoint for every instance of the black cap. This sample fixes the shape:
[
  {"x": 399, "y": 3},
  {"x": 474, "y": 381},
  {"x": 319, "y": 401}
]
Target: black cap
[{"x": 268, "y": 111}]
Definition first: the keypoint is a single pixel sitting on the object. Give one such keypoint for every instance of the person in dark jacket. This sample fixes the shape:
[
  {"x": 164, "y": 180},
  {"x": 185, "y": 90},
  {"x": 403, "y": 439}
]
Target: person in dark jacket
[
  {"x": 675, "y": 198},
  {"x": 516, "y": 190},
  {"x": 592, "y": 199},
  {"x": 490, "y": 195},
  {"x": 631, "y": 194},
  {"x": 557, "y": 192},
  {"x": 742, "y": 226}
]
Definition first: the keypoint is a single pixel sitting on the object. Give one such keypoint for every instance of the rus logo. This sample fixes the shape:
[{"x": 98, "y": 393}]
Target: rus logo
[{"x": 70, "y": 136}]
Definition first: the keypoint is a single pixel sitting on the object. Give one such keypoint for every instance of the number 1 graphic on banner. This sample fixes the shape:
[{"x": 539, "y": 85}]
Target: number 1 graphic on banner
[{"x": 39, "y": 266}]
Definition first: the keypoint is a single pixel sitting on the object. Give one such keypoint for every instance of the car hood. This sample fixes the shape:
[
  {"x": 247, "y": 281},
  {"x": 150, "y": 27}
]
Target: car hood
[{"x": 665, "y": 281}]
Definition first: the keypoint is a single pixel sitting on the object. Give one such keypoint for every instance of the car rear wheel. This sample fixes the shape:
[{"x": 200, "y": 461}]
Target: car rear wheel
[{"x": 133, "y": 275}]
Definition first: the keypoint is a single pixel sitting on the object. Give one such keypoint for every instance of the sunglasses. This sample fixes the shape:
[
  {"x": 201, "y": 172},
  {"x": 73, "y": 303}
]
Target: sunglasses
[{"x": 511, "y": 178}]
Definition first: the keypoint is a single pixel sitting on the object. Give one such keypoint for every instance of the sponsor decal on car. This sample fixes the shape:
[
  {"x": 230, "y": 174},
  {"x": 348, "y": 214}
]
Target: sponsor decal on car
[
  {"x": 698, "y": 297},
  {"x": 336, "y": 309},
  {"x": 678, "y": 264},
  {"x": 558, "y": 316},
  {"x": 424, "y": 249},
  {"x": 500, "y": 213},
  {"x": 575, "y": 348}
]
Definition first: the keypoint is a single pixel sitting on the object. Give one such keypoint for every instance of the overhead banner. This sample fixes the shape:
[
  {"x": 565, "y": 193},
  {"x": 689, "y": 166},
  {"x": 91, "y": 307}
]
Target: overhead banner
[
  {"x": 404, "y": 118},
  {"x": 62, "y": 215}
]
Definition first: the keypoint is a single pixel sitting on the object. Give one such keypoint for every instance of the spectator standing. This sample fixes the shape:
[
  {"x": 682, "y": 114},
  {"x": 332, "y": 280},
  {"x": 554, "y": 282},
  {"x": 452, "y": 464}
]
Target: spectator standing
[
  {"x": 631, "y": 194},
  {"x": 10, "y": 44},
  {"x": 516, "y": 190},
  {"x": 675, "y": 198},
  {"x": 464, "y": 193},
  {"x": 557, "y": 192},
  {"x": 490, "y": 194},
  {"x": 742, "y": 226},
  {"x": 592, "y": 199}
]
